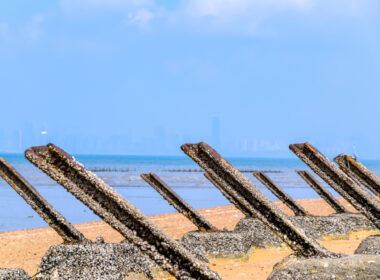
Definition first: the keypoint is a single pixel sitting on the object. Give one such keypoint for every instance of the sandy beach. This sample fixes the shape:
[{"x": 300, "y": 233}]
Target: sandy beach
[{"x": 25, "y": 248}]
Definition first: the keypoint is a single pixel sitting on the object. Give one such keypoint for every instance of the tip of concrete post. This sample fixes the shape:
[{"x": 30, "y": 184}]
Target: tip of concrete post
[
  {"x": 186, "y": 147},
  {"x": 296, "y": 146},
  {"x": 32, "y": 150},
  {"x": 338, "y": 157}
]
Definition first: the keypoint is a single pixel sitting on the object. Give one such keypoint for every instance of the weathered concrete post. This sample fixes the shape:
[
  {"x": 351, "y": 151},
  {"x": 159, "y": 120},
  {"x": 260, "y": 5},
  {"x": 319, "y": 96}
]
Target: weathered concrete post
[
  {"x": 339, "y": 181},
  {"x": 226, "y": 190},
  {"x": 47, "y": 212},
  {"x": 284, "y": 197},
  {"x": 257, "y": 203},
  {"x": 119, "y": 213},
  {"x": 358, "y": 171},
  {"x": 178, "y": 203},
  {"x": 322, "y": 191}
]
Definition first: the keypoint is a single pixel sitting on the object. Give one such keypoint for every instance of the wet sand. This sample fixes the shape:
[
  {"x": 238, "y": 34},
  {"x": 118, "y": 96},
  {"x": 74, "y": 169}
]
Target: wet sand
[{"x": 25, "y": 248}]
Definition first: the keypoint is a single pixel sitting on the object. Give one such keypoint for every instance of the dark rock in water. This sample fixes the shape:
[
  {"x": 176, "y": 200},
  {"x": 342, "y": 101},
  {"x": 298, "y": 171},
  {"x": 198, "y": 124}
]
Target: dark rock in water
[
  {"x": 223, "y": 244},
  {"x": 95, "y": 261},
  {"x": 13, "y": 273},
  {"x": 333, "y": 226},
  {"x": 359, "y": 267},
  {"x": 369, "y": 246}
]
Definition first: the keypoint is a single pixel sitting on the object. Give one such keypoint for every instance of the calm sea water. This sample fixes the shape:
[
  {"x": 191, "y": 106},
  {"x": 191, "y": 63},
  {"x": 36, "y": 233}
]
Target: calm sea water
[{"x": 123, "y": 173}]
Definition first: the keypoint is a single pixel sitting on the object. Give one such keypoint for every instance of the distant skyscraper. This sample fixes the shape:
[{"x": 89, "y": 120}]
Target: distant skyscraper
[
  {"x": 29, "y": 137},
  {"x": 215, "y": 132}
]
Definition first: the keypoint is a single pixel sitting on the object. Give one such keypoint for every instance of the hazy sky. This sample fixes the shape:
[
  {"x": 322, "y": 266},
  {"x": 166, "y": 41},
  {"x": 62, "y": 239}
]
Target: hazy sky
[{"x": 142, "y": 77}]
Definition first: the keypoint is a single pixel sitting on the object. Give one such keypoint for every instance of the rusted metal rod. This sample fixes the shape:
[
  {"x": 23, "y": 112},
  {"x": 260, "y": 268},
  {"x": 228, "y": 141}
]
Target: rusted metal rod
[
  {"x": 339, "y": 181},
  {"x": 178, "y": 203},
  {"x": 358, "y": 171},
  {"x": 31, "y": 196},
  {"x": 258, "y": 204},
  {"x": 322, "y": 191},
  {"x": 119, "y": 213},
  {"x": 284, "y": 197},
  {"x": 226, "y": 190}
]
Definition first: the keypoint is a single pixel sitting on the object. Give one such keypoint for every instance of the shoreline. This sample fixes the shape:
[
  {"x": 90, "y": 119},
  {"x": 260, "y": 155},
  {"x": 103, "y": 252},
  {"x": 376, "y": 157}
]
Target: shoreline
[{"x": 25, "y": 248}]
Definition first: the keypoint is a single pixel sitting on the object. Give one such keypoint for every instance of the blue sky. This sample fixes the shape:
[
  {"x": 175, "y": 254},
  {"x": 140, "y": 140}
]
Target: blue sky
[{"x": 143, "y": 77}]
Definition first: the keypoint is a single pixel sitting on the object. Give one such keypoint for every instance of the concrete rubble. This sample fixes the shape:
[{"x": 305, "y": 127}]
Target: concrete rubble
[
  {"x": 222, "y": 244},
  {"x": 369, "y": 246},
  {"x": 351, "y": 267},
  {"x": 95, "y": 260},
  {"x": 336, "y": 226},
  {"x": 13, "y": 273}
]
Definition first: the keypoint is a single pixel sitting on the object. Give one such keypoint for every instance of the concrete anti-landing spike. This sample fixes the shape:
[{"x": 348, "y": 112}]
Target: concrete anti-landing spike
[
  {"x": 51, "y": 216},
  {"x": 178, "y": 203},
  {"x": 322, "y": 191},
  {"x": 339, "y": 181},
  {"x": 284, "y": 197},
  {"x": 358, "y": 171},
  {"x": 119, "y": 213},
  {"x": 258, "y": 204},
  {"x": 226, "y": 190}
]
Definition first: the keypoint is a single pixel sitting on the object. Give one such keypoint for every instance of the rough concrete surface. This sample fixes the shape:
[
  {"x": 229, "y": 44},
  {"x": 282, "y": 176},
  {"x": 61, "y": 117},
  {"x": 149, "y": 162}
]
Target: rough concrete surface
[
  {"x": 94, "y": 261},
  {"x": 257, "y": 204},
  {"x": 224, "y": 244},
  {"x": 256, "y": 234},
  {"x": 352, "y": 191},
  {"x": 369, "y": 246},
  {"x": 13, "y": 273},
  {"x": 333, "y": 226},
  {"x": 119, "y": 213},
  {"x": 357, "y": 267}
]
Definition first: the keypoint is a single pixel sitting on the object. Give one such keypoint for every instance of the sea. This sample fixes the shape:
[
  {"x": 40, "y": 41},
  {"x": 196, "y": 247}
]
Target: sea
[{"x": 123, "y": 174}]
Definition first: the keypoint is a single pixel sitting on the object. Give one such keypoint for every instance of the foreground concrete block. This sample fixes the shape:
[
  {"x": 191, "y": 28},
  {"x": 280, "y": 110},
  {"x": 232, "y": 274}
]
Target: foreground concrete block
[
  {"x": 95, "y": 261},
  {"x": 335, "y": 226},
  {"x": 222, "y": 244},
  {"x": 256, "y": 234},
  {"x": 347, "y": 267},
  {"x": 369, "y": 246},
  {"x": 13, "y": 273}
]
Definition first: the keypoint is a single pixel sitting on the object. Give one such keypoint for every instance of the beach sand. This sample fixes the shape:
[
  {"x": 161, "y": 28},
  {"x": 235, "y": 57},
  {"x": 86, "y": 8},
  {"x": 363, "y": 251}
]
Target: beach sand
[{"x": 25, "y": 248}]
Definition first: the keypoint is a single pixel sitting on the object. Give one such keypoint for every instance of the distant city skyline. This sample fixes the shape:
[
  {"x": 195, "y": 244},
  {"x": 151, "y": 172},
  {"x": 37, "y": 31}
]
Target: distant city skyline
[
  {"x": 159, "y": 142},
  {"x": 144, "y": 77}
]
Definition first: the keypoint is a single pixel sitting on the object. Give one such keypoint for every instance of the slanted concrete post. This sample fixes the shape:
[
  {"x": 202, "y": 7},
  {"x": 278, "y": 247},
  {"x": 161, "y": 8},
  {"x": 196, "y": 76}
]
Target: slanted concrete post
[
  {"x": 339, "y": 181},
  {"x": 226, "y": 191},
  {"x": 322, "y": 191},
  {"x": 178, "y": 203},
  {"x": 258, "y": 204},
  {"x": 297, "y": 209},
  {"x": 119, "y": 213},
  {"x": 358, "y": 171},
  {"x": 47, "y": 212}
]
